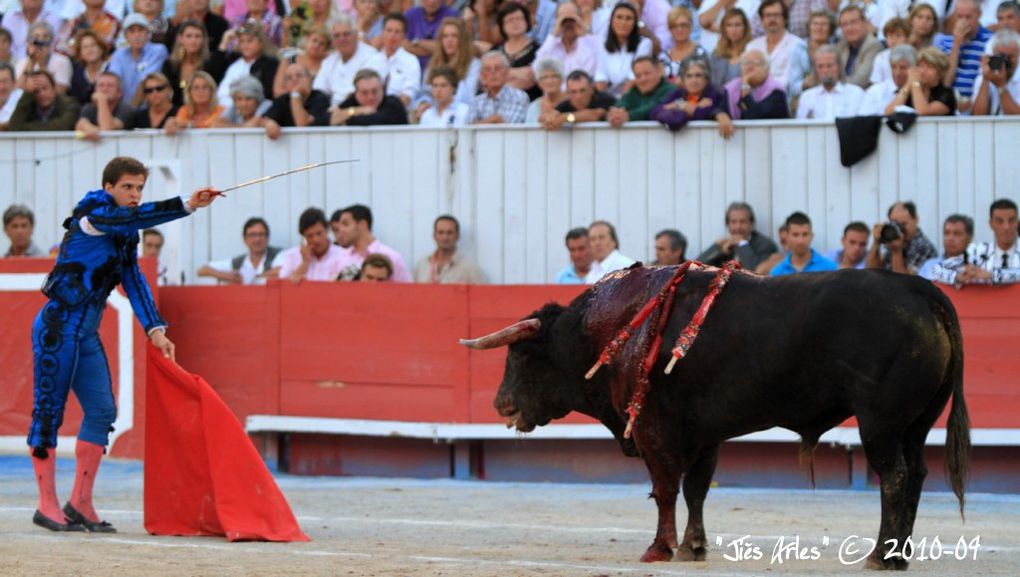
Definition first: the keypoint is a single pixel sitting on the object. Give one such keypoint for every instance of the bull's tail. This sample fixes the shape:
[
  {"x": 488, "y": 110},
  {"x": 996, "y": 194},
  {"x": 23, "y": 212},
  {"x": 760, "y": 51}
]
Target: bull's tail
[{"x": 958, "y": 427}]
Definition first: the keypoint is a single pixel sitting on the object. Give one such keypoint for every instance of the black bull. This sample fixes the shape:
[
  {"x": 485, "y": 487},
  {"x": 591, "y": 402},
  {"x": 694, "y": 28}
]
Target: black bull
[{"x": 802, "y": 352}]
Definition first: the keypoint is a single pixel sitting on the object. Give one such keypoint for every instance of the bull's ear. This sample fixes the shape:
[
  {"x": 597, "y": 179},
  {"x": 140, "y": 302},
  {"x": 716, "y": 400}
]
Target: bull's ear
[{"x": 519, "y": 331}]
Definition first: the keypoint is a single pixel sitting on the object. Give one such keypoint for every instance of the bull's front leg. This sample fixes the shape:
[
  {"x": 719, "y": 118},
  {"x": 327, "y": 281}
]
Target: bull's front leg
[
  {"x": 696, "y": 484},
  {"x": 665, "y": 486}
]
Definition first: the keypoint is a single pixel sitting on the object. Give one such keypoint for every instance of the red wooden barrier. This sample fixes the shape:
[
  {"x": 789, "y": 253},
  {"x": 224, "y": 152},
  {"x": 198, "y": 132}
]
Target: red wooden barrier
[{"x": 390, "y": 351}]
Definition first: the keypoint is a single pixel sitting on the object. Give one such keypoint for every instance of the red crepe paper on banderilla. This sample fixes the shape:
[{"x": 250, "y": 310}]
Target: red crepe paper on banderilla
[{"x": 203, "y": 476}]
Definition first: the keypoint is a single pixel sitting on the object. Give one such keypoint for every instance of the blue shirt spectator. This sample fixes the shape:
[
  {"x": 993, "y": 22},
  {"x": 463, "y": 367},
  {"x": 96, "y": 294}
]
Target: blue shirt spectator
[
  {"x": 969, "y": 40},
  {"x": 816, "y": 263},
  {"x": 138, "y": 59}
]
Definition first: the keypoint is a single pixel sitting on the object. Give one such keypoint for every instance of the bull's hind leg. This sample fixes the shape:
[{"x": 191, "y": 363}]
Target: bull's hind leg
[
  {"x": 885, "y": 455},
  {"x": 665, "y": 486},
  {"x": 696, "y": 484}
]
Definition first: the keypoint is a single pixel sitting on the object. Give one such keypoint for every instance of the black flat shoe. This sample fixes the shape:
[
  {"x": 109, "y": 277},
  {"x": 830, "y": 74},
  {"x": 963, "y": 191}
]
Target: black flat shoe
[
  {"x": 83, "y": 521},
  {"x": 47, "y": 523}
]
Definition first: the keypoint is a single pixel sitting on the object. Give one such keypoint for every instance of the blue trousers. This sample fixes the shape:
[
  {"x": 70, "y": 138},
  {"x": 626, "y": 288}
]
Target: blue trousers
[{"x": 69, "y": 356}]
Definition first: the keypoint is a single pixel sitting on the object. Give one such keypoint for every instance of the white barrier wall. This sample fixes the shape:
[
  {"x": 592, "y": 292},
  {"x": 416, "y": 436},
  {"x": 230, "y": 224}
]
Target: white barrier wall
[{"x": 518, "y": 190}]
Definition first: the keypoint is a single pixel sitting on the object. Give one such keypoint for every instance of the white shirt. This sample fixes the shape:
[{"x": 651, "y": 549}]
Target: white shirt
[
  {"x": 236, "y": 70},
  {"x": 820, "y": 104},
  {"x": 75, "y": 8},
  {"x": 403, "y": 74},
  {"x": 248, "y": 271},
  {"x": 336, "y": 77},
  {"x": 456, "y": 114},
  {"x": 881, "y": 70},
  {"x": 787, "y": 61},
  {"x": 615, "y": 261},
  {"x": 7, "y": 109},
  {"x": 614, "y": 68},
  {"x": 994, "y": 102},
  {"x": 876, "y": 98}
]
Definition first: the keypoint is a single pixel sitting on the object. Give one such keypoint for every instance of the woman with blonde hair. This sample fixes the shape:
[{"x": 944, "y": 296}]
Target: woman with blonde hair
[
  {"x": 923, "y": 90},
  {"x": 454, "y": 50},
  {"x": 314, "y": 49},
  {"x": 201, "y": 107},
  {"x": 725, "y": 59},
  {"x": 190, "y": 54},
  {"x": 681, "y": 22},
  {"x": 159, "y": 107}
]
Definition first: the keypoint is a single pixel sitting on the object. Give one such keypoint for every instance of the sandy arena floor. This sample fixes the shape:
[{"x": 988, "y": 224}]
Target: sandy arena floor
[{"x": 388, "y": 527}]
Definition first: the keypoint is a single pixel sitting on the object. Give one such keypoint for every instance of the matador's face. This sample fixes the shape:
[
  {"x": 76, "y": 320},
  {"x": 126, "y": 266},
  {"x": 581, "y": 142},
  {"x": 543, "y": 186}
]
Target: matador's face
[{"x": 128, "y": 190}]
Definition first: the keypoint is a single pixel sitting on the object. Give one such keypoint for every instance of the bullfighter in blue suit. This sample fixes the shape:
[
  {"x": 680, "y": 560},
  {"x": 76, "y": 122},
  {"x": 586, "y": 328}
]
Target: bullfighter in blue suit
[{"x": 99, "y": 251}]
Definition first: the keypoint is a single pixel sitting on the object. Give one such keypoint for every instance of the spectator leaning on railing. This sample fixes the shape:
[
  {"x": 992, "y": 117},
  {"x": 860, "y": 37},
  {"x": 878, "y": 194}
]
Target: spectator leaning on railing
[
  {"x": 756, "y": 95},
  {"x": 248, "y": 108},
  {"x": 696, "y": 99},
  {"x": 369, "y": 105},
  {"x": 107, "y": 111},
  {"x": 650, "y": 88},
  {"x": 251, "y": 267},
  {"x": 584, "y": 103},
  {"x": 301, "y": 105},
  {"x": 902, "y": 59},
  {"x": 743, "y": 243},
  {"x": 957, "y": 234},
  {"x": 996, "y": 262},
  {"x": 498, "y": 103}
]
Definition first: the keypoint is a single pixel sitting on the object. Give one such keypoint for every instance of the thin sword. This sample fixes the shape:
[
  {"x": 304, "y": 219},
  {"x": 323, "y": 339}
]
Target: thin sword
[{"x": 291, "y": 171}]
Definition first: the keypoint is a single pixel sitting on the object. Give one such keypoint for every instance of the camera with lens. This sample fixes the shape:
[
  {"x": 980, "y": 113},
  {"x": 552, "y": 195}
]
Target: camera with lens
[
  {"x": 998, "y": 62},
  {"x": 890, "y": 232},
  {"x": 40, "y": 42}
]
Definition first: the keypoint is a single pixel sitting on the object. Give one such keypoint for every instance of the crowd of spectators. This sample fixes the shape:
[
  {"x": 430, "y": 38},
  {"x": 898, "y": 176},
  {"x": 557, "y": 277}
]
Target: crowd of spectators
[
  {"x": 897, "y": 244},
  {"x": 344, "y": 248},
  {"x": 279, "y": 63}
]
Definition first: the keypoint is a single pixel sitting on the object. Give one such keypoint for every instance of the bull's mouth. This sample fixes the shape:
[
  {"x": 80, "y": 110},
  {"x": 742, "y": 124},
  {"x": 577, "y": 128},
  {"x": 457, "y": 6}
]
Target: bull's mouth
[{"x": 516, "y": 420}]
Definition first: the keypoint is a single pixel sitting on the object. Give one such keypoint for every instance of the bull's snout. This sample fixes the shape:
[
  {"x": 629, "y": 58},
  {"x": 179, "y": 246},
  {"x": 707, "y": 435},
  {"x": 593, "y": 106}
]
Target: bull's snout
[{"x": 504, "y": 405}]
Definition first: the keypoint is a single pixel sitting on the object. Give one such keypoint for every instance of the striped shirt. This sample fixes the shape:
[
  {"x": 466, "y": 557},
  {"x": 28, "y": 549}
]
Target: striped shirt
[
  {"x": 970, "y": 59},
  {"x": 510, "y": 103},
  {"x": 1003, "y": 264}
]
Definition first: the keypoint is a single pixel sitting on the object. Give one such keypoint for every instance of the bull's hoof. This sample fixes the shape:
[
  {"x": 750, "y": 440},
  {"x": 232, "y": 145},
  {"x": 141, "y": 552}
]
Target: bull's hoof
[
  {"x": 688, "y": 553},
  {"x": 657, "y": 552},
  {"x": 877, "y": 562}
]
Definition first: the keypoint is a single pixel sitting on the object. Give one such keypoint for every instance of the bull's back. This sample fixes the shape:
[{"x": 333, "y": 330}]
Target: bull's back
[{"x": 804, "y": 349}]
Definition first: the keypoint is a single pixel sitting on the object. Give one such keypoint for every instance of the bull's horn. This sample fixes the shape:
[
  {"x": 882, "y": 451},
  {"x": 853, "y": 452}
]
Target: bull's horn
[{"x": 518, "y": 331}]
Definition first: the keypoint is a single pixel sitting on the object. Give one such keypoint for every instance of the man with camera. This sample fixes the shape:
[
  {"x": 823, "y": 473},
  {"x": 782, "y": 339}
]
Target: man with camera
[
  {"x": 998, "y": 84},
  {"x": 906, "y": 247}
]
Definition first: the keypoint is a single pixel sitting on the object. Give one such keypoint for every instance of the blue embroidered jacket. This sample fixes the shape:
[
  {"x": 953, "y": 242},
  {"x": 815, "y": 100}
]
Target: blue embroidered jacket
[{"x": 100, "y": 249}]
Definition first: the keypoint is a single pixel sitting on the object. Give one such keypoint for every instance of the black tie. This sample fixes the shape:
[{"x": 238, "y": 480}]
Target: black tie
[{"x": 1005, "y": 260}]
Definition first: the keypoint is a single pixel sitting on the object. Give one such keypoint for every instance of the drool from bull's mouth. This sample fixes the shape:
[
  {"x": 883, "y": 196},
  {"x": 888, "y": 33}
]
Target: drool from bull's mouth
[{"x": 767, "y": 356}]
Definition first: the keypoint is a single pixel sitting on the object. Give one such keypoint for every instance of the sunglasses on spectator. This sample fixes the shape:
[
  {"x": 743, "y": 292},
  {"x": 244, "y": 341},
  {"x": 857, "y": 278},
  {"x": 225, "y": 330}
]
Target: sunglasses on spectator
[{"x": 151, "y": 89}]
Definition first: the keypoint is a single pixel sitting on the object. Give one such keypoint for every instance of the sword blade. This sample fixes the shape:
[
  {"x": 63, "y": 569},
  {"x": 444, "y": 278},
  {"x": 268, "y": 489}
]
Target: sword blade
[{"x": 285, "y": 173}]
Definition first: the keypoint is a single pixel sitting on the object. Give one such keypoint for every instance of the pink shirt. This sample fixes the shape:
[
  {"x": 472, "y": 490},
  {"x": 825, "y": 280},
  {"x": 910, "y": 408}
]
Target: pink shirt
[
  {"x": 400, "y": 271},
  {"x": 326, "y": 268}
]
